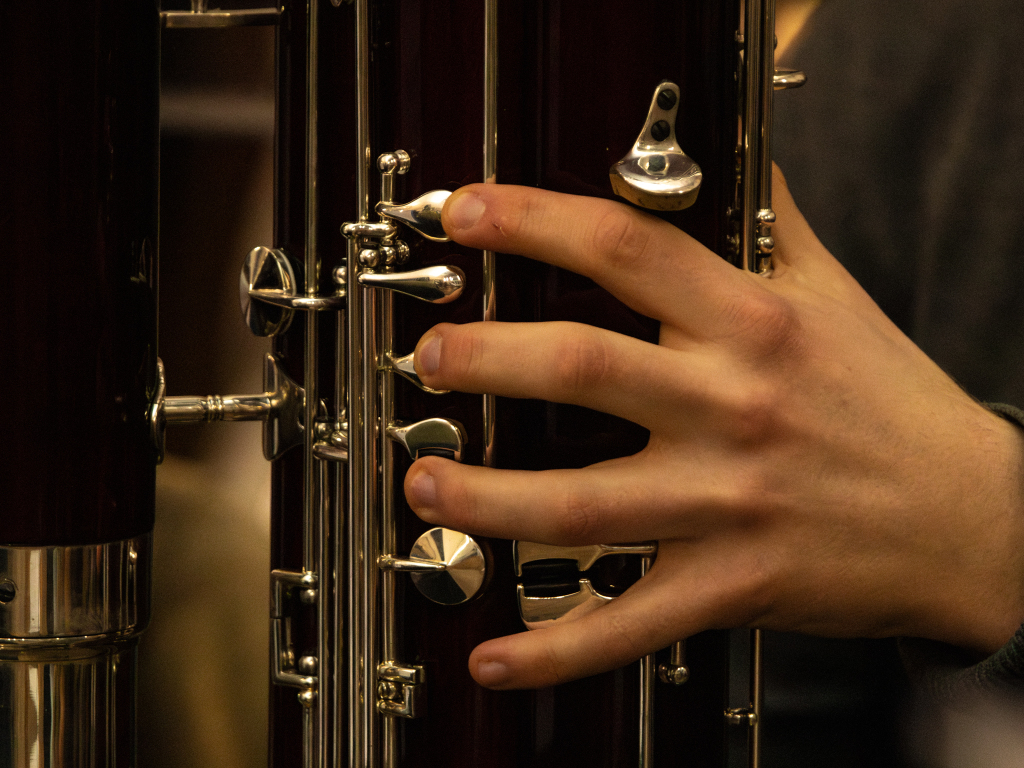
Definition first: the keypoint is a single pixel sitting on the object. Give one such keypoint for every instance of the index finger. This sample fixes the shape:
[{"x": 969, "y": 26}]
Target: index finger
[{"x": 645, "y": 262}]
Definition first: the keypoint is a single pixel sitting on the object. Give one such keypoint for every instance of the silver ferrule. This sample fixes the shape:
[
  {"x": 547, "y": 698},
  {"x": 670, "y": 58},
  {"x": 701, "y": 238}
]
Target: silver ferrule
[
  {"x": 70, "y": 596},
  {"x": 69, "y": 624}
]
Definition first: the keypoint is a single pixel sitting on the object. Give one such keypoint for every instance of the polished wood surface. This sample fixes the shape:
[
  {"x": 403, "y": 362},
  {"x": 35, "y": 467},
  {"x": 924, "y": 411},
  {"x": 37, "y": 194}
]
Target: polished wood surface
[
  {"x": 575, "y": 83},
  {"x": 78, "y": 220}
]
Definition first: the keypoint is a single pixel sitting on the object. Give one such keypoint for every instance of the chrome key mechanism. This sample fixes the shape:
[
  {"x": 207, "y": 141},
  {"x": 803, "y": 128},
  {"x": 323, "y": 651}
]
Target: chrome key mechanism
[{"x": 657, "y": 174}]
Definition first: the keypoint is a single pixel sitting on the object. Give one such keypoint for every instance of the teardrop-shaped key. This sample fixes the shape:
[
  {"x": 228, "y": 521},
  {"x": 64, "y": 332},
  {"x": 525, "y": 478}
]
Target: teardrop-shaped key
[
  {"x": 657, "y": 174},
  {"x": 438, "y": 285},
  {"x": 422, "y": 214},
  {"x": 430, "y": 437},
  {"x": 406, "y": 368}
]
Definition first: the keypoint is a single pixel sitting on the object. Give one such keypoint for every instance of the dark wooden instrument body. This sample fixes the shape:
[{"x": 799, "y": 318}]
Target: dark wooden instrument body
[
  {"x": 575, "y": 83},
  {"x": 78, "y": 210}
]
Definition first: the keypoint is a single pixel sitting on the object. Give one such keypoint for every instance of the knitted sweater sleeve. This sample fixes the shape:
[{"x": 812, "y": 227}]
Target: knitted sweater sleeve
[{"x": 950, "y": 673}]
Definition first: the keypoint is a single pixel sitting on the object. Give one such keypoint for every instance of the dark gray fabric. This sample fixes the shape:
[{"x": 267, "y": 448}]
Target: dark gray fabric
[
  {"x": 906, "y": 153},
  {"x": 951, "y": 675}
]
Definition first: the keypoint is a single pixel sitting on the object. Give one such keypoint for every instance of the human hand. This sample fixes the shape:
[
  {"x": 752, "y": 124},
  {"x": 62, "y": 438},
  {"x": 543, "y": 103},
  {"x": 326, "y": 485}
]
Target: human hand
[{"x": 809, "y": 468}]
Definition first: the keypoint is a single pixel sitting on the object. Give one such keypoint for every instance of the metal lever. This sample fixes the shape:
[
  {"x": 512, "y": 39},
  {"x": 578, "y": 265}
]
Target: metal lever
[
  {"x": 400, "y": 689},
  {"x": 538, "y": 612},
  {"x": 266, "y": 269},
  {"x": 529, "y": 552},
  {"x": 675, "y": 672},
  {"x": 785, "y": 79},
  {"x": 430, "y": 437},
  {"x": 279, "y": 407},
  {"x": 266, "y": 292},
  {"x": 438, "y": 285},
  {"x": 405, "y": 368},
  {"x": 422, "y": 214},
  {"x": 201, "y": 18},
  {"x": 657, "y": 174},
  {"x": 285, "y": 668},
  {"x": 446, "y": 566}
]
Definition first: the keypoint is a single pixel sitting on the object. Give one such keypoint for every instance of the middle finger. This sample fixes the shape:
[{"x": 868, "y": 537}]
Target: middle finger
[{"x": 566, "y": 363}]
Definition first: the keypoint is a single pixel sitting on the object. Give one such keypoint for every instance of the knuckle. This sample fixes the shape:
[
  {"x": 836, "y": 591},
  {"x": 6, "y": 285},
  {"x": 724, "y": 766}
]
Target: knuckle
[
  {"x": 514, "y": 216},
  {"x": 621, "y": 239},
  {"x": 551, "y": 666},
  {"x": 755, "y": 415},
  {"x": 575, "y": 521},
  {"x": 621, "y": 635},
  {"x": 752, "y": 494},
  {"x": 582, "y": 362},
  {"x": 748, "y": 595},
  {"x": 770, "y": 322}
]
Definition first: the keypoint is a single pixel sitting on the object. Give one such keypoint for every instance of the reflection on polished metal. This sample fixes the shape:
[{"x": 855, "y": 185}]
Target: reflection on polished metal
[
  {"x": 657, "y": 174},
  {"x": 430, "y": 437},
  {"x": 362, "y": 729},
  {"x": 293, "y": 301},
  {"x": 422, "y": 214},
  {"x": 400, "y": 690},
  {"x": 68, "y": 707},
  {"x": 318, "y": 524},
  {"x": 538, "y": 612},
  {"x": 646, "y": 725},
  {"x": 490, "y": 268},
  {"x": 584, "y": 556},
  {"x": 69, "y": 623},
  {"x": 333, "y": 445},
  {"x": 756, "y": 696},
  {"x": 447, "y": 567},
  {"x": 741, "y": 716},
  {"x": 200, "y": 18},
  {"x": 69, "y": 596},
  {"x": 267, "y": 292},
  {"x": 266, "y": 269},
  {"x": 757, "y": 79},
  {"x": 437, "y": 285},
  {"x": 785, "y": 79},
  {"x": 675, "y": 672},
  {"x": 279, "y": 407},
  {"x": 406, "y": 368},
  {"x": 374, "y": 230},
  {"x": 543, "y": 611},
  {"x": 285, "y": 669}
]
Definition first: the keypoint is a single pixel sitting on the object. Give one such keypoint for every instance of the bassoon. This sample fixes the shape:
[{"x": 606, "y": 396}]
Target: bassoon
[{"x": 384, "y": 107}]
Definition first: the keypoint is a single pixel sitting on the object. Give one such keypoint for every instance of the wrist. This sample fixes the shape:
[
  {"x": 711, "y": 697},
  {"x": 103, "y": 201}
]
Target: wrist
[{"x": 989, "y": 590}]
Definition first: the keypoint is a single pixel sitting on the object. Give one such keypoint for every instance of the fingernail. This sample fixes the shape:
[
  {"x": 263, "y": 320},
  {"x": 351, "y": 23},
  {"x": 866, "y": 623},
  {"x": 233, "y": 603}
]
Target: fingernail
[
  {"x": 428, "y": 356},
  {"x": 424, "y": 492},
  {"x": 464, "y": 210},
  {"x": 491, "y": 673}
]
